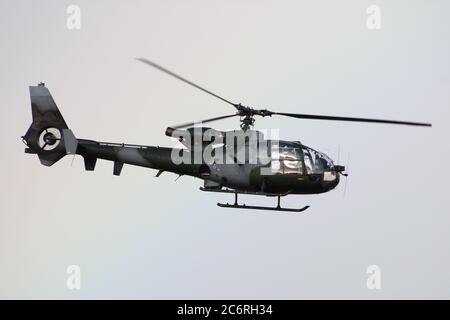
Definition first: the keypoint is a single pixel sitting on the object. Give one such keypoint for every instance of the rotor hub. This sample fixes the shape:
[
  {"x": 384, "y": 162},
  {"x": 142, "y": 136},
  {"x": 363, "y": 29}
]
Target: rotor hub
[
  {"x": 247, "y": 115},
  {"x": 50, "y": 138}
]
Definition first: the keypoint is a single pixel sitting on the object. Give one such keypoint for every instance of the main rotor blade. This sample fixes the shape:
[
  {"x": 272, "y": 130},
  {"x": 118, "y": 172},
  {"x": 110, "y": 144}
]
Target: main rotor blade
[
  {"x": 154, "y": 65},
  {"x": 190, "y": 124},
  {"x": 320, "y": 117}
]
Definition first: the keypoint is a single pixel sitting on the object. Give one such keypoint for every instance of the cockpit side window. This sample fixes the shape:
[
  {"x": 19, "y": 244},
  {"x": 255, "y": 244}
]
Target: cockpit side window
[
  {"x": 309, "y": 164},
  {"x": 316, "y": 162}
]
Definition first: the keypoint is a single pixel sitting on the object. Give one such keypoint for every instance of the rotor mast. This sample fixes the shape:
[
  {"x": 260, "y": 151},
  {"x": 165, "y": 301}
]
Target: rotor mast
[{"x": 247, "y": 115}]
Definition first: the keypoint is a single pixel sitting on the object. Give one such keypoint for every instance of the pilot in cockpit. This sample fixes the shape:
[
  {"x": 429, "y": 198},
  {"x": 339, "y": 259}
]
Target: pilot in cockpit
[{"x": 320, "y": 162}]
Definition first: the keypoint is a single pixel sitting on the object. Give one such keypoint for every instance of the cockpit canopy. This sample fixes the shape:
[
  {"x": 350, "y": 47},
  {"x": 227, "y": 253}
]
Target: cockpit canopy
[
  {"x": 315, "y": 161},
  {"x": 293, "y": 156}
]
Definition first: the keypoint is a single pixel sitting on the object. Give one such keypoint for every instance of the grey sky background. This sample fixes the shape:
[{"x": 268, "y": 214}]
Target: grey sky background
[{"x": 136, "y": 236}]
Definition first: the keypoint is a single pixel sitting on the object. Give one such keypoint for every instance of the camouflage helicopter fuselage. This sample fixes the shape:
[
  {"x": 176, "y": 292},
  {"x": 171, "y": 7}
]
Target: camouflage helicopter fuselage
[{"x": 301, "y": 171}]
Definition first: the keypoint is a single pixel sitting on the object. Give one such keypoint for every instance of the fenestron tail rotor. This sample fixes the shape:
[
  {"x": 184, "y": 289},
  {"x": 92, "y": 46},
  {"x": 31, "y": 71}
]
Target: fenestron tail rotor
[
  {"x": 49, "y": 139},
  {"x": 247, "y": 114}
]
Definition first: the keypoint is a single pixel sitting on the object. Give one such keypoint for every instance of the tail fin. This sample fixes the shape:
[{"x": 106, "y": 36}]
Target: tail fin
[{"x": 48, "y": 136}]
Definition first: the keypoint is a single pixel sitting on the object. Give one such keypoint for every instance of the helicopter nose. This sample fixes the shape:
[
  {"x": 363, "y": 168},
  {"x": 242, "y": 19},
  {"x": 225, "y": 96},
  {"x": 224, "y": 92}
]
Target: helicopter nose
[{"x": 331, "y": 181}]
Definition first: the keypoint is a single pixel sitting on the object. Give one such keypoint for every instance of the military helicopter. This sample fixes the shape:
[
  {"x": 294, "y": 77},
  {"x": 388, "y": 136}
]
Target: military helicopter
[{"x": 284, "y": 168}]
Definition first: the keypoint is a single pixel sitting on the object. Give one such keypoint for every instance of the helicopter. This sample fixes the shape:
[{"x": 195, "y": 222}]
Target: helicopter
[{"x": 238, "y": 161}]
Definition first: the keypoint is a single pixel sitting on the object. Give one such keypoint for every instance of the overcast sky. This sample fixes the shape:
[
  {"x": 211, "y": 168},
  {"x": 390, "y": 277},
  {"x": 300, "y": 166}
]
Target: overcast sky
[{"x": 137, "y": 236}]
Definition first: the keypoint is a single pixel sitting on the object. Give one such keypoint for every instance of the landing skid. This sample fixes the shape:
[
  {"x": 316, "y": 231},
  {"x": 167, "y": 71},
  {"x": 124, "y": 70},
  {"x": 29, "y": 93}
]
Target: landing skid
[{"x": 244, "y": 206}]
